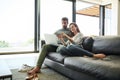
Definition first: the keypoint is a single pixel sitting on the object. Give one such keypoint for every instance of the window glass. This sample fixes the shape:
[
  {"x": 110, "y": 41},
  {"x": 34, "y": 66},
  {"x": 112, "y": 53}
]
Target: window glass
[
  {"x": 51, "y": 13},
  {"x": 89, "y": 25},
  {"x": 108, "y": 9},
  {"x": 16, "y": 25}
]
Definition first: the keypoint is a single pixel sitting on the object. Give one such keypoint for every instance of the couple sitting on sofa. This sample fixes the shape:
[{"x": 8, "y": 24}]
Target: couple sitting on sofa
[{"x": 73, "y": 47}]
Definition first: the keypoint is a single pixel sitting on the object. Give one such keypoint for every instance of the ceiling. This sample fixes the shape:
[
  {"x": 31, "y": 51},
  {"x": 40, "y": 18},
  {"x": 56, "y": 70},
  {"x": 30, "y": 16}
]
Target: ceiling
[
  {"x": 100, "y": 2},
  {"x": 94, "y": 9},
  {"x": 91, "y": 11}
]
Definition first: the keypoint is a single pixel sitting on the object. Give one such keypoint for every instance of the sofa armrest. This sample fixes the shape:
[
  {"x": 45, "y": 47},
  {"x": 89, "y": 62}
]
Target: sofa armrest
[{"x": 42, "y": 42}]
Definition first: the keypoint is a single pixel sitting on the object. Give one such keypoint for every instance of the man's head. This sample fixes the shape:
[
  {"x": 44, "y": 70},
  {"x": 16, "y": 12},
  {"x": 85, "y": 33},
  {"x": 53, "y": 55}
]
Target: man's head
[{"x": 64, "y": 22}]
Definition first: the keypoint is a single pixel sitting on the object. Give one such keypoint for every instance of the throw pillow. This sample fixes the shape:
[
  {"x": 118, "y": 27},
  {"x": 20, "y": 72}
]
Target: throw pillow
[{"x": 88, "y": 43}]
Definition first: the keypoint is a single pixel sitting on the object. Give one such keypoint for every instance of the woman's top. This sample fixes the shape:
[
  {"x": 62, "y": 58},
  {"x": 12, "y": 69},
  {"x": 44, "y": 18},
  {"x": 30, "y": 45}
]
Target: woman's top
[{"x": 77, "y": 39}]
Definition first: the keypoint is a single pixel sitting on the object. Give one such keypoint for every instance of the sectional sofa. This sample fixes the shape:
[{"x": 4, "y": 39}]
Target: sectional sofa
[{"x": 88, "y": 68}]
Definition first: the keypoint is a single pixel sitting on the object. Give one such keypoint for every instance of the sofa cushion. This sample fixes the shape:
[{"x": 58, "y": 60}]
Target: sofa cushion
[
  {"x": 107, "y": 44},
  {"x": 106, "y": 69},
  {"x": 56, "y": 57},
  {"x": 88, "y": 43}
]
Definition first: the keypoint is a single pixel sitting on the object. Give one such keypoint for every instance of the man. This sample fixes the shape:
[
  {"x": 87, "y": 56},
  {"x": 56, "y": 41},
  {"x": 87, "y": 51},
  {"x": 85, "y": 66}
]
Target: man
[
  {"x": 64, "y": 29},
  {"x": 50, "y": 48}
]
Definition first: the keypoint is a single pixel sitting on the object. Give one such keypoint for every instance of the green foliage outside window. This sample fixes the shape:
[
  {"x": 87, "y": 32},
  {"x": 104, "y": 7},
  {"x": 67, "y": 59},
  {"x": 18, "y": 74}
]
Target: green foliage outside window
[{"x": 3, "y": 44}]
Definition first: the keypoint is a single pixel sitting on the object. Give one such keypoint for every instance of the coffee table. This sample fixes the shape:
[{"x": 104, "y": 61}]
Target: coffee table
[{"x": 4, "y": 71}]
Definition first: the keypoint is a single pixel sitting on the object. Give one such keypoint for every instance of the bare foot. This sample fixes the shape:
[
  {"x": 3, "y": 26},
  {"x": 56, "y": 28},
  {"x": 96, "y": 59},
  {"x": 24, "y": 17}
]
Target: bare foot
[
  {"x": 34, "y": 70},
  {"x": 100, "y": 55}
]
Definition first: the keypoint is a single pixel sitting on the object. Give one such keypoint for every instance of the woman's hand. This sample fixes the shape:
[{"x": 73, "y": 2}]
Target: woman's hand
[
  {"x": 60, "y": 36},
  {"x": 62, "y": 40},
  {"x": 68, "y": 37},
  {"x": 64, "y": 35}
]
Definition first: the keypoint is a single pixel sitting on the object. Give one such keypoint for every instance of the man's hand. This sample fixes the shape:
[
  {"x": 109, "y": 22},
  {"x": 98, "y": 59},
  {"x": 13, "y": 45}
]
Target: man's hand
[{"x": 59, "y": 36}]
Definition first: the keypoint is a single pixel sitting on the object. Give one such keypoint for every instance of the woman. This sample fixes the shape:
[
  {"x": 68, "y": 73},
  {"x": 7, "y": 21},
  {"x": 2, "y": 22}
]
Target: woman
[
  {"x": 75, "y": 47},
  {"x": 76, "y": 39}
]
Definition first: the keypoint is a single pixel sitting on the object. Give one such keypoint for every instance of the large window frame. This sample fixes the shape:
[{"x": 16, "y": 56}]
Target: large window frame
[
  {"x": 37, "y": 24},
  {"x": 51, "y": 14},
  {"x": 101, "y": 17},
  {"x": 36, "y": 31}
]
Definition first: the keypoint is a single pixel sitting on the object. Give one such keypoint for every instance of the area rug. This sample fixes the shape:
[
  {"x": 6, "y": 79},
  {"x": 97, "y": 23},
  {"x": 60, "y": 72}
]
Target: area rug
[{"x": 46, "y": 74}]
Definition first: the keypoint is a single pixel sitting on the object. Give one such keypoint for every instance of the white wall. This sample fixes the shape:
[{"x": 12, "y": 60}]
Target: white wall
[
  {"x": 119, "y": 18},
  {"x": 115, "y": 28}
]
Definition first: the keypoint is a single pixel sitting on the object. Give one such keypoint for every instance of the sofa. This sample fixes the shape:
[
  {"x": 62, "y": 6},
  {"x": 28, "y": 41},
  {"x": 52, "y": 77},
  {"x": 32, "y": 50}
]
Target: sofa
[{"x": 89, "y": 68}]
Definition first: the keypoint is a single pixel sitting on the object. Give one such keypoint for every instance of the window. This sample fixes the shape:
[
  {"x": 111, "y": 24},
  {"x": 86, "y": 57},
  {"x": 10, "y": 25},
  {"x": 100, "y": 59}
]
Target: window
[
  {"x": 87, "y": 19},
  {"x": 51, "y": 13},
  {"x": 16, "y": 25},
  {"x": 108, "y": 12}
]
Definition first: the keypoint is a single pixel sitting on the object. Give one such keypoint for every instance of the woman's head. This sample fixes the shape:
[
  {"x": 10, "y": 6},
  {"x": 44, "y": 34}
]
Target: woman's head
[{"x": 74, "y": 27}]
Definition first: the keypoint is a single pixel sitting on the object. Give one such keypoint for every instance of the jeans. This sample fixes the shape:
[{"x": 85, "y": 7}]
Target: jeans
[{"x": 75, "y": 50}]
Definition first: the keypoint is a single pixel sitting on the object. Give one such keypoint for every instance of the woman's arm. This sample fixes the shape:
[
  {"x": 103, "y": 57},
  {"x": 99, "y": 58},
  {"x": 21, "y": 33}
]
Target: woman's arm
[
  {"x": 63, "y": 42},
  {"x": 69, "y": 38}
]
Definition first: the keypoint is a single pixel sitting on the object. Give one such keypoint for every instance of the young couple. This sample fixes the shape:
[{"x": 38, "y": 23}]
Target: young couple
[{"x": 72, "y": 46}]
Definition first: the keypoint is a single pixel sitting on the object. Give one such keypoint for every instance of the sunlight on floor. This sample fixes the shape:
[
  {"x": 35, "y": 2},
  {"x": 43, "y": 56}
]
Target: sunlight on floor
[{"x": 17, "y": 60}]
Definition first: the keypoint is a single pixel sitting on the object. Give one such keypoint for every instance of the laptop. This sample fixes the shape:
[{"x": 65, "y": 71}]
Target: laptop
[{"x": 51, "y": 39}]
